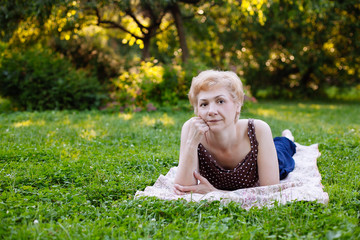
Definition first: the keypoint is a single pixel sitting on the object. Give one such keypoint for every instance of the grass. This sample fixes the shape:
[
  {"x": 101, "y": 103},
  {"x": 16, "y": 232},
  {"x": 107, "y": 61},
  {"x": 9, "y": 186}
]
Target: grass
[{"x": 73, "y": 175}]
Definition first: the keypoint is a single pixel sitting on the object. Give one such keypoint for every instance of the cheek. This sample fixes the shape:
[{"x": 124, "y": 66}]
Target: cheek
[
  {"x": 231, "y": 109},
  {"x": 200, "y": 113}
]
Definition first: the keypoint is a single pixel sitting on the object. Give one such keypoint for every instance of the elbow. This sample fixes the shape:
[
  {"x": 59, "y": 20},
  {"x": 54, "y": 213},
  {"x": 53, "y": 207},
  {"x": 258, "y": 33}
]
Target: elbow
[
  {"x": 269, "y": 182},
  {"x": 184, "y": 180}
]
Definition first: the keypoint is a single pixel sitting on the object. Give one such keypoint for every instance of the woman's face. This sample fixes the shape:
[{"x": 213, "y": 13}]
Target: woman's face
[{"x": 216, "y": 107}]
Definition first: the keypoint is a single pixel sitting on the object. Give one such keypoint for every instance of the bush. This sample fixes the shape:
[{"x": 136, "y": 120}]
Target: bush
[
  {"x": 166, "y": 85},
  {"x": 145, "y": 83},
  {"x": 38, "y": 79}
]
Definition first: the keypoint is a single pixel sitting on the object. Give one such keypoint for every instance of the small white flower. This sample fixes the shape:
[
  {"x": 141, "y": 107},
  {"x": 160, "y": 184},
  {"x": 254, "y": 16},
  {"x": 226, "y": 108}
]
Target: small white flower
[
  {"x": 6, "y": 130},
  {"x": 153, "y": 220},
  {"x": 36, "y": 221}
]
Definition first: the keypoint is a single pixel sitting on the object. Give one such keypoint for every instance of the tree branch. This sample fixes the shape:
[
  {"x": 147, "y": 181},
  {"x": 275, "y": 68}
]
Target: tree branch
[
  {"x": 165, "y": 29},
  {"x": 130, "y": 13},
  {"x": 190, "y": 1},
  {"x": 113, "y": 24}
]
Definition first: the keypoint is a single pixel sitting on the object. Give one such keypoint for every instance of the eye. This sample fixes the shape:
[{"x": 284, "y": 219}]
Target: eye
[
  {"x": 221, "y": 101},
  {"x": 203, "y": 104}
]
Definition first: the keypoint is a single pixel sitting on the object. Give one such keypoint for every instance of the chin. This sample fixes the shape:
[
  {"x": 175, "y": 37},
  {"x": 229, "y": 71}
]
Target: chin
[{"x": 216, "y": 128}]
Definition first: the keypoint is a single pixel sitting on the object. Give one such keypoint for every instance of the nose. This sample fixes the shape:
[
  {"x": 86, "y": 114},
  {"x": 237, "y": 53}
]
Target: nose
[{"x": 212, "y": 109}]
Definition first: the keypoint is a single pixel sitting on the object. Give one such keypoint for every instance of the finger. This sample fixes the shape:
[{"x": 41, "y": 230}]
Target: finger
[
  {"x": 200, "y": 124},
  {"x": 202, "y": 127},
  {"x": 198, "y": 176},
  {"x": 204, "y": 181},
  {"x": 185, "y": 188},
  {"x": 178, "y": 188},
  {"x": 177, "y": 192},
  {"x": 203, "y": 121},
  {"x": 199, "y": 120}
]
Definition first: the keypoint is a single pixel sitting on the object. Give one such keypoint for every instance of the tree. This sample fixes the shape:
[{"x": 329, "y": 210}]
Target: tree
[
  {"x": 13, "y": 13},
  {"x": 280, "y": 47},
  {"x": 142, "y": 20},
  {"x": 283, "y": 48},
  {"x": 300, "y": 49}
]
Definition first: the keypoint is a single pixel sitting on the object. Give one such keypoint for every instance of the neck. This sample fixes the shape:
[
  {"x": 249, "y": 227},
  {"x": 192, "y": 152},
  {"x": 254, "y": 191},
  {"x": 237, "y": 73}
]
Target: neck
[{"x": 222, "y": 139}]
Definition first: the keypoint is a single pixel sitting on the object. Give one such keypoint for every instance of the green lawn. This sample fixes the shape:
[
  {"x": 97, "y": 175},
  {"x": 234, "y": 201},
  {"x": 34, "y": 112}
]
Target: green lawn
[{"x": 73, "y": 175}]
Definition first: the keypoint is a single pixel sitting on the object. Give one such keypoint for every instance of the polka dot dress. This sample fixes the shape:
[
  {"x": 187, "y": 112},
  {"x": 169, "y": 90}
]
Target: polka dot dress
[{"x": 244, "y": 175}]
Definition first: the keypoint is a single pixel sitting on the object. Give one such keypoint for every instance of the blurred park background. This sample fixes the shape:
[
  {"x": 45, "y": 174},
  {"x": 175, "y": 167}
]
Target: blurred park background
[
  {"x": 142, "y": 54},
  {"x": 71, "y": 174}
]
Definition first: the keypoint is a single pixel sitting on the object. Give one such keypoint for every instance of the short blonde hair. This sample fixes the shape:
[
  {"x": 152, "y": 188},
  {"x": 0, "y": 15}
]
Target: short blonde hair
[{"x": 212, "y": 78}]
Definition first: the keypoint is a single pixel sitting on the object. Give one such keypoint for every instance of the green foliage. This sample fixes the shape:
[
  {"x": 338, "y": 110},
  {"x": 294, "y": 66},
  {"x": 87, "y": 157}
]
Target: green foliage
[
  {"x": 154, "y": 82},
  {"x": 73, "y": 175},
  {"x": 12, "y": 13},
  {"x": 88, "y": 52},
  {"x": 288, "y": 49},
  {"x": 37, "y": 79},
  {"x": 281, "y": 48},
  {"x": 347, "y": 94}
]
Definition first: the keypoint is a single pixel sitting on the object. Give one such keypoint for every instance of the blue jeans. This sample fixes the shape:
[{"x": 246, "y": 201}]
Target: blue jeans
[{"x": 285, "y": 149}]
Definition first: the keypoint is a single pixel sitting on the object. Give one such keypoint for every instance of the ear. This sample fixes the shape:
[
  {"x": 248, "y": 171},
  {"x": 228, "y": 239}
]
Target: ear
[
  {"x": 196, "y": 111},
  {"x": 238, "y": 110}
]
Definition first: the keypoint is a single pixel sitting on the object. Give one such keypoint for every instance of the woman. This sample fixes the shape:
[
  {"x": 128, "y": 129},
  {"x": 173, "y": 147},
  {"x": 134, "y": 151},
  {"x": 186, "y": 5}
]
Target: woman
[{"x": 218, "y": 150}]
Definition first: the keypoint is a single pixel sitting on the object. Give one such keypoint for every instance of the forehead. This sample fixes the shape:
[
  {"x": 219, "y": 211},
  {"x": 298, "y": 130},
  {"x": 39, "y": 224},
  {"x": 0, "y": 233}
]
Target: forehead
[{"x": 213, "y": 93}]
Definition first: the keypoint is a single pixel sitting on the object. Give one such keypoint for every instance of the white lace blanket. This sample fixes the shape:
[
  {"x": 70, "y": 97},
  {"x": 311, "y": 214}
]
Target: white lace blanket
[{"x": 303, "y": 184}]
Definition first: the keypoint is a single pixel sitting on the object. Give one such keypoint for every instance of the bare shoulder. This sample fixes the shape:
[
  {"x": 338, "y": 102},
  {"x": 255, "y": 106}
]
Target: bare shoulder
[
  {"x": 243, "y": 123},
  {"x": 260, "y": 125},
  {"x": 262, "y": 129}
]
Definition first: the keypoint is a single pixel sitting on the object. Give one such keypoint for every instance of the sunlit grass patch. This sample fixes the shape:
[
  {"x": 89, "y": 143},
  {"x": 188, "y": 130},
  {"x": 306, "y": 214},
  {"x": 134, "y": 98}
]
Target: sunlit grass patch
[
  {"x": 164, "y": 119},
  {"x": 126, "y": 116},
  {"x": 75, "y": 176},
  {"x": 29, "y": 123}
]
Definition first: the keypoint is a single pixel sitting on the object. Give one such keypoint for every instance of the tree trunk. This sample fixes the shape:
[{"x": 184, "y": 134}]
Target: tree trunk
[
  {"x": 145, "y": 54},
  {"x": 147, "y": 39},
  {"x": 175, "y": 11}
]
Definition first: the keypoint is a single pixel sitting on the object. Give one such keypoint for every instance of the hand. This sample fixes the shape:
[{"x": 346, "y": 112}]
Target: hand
[
  {"x": 198, "y": 129},
  {"x": 203, "y": 187}
]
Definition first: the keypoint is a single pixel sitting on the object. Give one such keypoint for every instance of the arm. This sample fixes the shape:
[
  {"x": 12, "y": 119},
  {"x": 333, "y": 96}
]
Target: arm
[
  {"x": 187, "y": 178},
  {"x": 268, "y": 166},
  {"x": 204, "y": 186},
  {"x": 192, "y": 134}
]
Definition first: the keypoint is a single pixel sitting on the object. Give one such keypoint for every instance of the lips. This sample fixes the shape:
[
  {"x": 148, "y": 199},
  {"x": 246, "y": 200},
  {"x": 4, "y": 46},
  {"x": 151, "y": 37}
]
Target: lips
[{"x": 213, "y": 121}]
